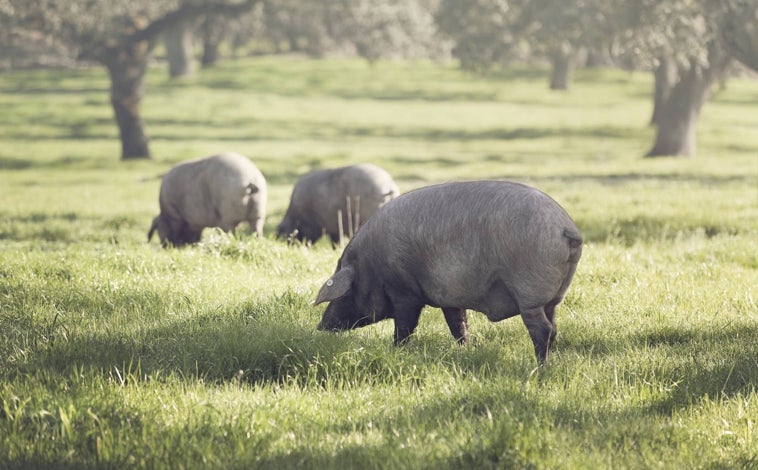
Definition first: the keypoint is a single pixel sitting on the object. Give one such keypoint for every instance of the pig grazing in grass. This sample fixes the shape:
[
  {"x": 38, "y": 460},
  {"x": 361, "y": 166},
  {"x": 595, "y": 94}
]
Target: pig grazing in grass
[
  {"x": 336, "y": 202},
  {"x": 217, "y": 191},
  {"x": 496, "y": 247}
]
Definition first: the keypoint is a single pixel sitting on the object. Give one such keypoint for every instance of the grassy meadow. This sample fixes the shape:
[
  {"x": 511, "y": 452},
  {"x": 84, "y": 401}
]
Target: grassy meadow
[{"x": 115, "y": 353}]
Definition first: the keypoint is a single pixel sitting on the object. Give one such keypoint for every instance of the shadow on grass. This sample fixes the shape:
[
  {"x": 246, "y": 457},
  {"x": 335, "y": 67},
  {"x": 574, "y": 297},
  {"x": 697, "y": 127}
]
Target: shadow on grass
[
  {"x": 504, "y": 410},
  {"x": 105, "y": 162},
  {"x": 326, "y": 87},
  {"x": 269, "y": 342},
  {"x": 67, "y": 227},
  {"x": 618, "y": 179},
  {"x": 44, "y": 88},
  {"x": 285, "y": 130},
  {"x": 266, "y": 342},
  {"x": 729, "y": 367},
  {"x": 649, "y": 228},
  {"x": 732, "y": 370},
  {"x": 12, "y": 163},
  {"x": 61, "y": 127}
]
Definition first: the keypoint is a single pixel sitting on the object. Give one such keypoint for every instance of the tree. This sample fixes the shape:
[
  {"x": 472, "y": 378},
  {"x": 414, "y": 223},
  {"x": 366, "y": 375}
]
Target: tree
[
  {"x": 21, "y": 45},
  {"x": 485, "y": 33},
  {"x": 560, "y": 30},
  {"x": 678, "y": 111},
  {"x": 119, "y": 34},
  {"x": 665, "y": 76},
  {"x": 7, "y": 46},
  {"x": 690, "y": 44},
  {"x": 373, "y": 29},
  {"x": 390, "y": 28},
  {"x": 739, "y": 30},
  {"x": 489, "y": 32},
  {"x": 178, "y": 40},
  {"x": 301, "y": 25},
  {"x": 212, "y": 30}
]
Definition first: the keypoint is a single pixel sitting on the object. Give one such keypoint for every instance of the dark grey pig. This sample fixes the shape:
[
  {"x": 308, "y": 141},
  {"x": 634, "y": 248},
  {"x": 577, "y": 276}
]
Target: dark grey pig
[
  {"x": 336, "y": 201},
  {"x": 217, "y": 191},
  {"x": 495, "y": 247}
]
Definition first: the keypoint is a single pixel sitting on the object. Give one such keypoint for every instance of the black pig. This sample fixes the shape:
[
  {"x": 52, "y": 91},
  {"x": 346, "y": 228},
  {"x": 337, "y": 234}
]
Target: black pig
[
  {"x": 496, "y": 247},
  {"x": 319, "y": 202}
]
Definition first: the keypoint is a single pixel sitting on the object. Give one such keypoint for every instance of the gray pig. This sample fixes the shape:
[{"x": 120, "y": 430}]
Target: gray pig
[
  {"x": 496, "y": 247},
  {"x": 217, "y": 191},
  {"x": 320, "y": 196}
]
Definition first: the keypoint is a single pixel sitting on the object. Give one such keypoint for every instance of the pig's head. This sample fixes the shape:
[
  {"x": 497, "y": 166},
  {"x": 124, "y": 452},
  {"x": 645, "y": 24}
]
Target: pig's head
[
  {"x": 342, "y": 313},
  {"x": 293, "y": 228},
  {"x": 187, "y": 236},
  {"x": 161, "y": 225},
  {"x": 173, "y": 232},
  {"x": 286, "y": 228}
]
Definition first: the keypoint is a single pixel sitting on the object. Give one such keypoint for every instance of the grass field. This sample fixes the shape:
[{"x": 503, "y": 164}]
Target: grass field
[{"x": 115, "y": 353}]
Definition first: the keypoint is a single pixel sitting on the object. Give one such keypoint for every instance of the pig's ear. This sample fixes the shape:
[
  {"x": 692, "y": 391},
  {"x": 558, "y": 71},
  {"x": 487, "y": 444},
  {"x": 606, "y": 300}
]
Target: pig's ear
[{"x": 337, "y": 286}]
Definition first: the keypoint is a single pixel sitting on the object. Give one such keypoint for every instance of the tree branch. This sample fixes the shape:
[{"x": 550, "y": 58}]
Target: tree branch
[
  {"x": 740, "y": 36},
  {"x": 188, "y": 11}
]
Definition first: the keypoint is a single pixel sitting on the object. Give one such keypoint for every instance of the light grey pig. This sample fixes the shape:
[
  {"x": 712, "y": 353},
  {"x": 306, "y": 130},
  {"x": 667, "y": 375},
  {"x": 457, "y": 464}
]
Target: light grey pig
[
  {"x": 325, "y": 201},
  {"x": 217, "y": 191},
  {"x": 496, "y": 247}
]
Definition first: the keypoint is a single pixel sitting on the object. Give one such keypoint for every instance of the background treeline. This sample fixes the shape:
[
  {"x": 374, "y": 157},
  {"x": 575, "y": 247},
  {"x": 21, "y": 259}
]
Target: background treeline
[{"x": 690, "y": 45}]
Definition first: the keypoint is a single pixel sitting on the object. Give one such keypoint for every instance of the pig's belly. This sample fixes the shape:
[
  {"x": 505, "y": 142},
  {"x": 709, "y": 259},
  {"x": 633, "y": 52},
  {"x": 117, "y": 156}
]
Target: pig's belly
[
  {"x": 496, "y": 302},
  {"x": 498, "y": 305}
]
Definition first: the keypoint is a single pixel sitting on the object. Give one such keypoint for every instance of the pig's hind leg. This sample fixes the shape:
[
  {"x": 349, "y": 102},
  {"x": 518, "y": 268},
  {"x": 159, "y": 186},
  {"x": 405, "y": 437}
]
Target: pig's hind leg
[
  {"x": 540, "y": 329},
  {"x": 550, "y": 315}
]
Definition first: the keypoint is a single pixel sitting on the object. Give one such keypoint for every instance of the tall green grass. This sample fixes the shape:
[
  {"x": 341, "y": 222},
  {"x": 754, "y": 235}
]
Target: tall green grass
[{"x": 116, "y": 353}]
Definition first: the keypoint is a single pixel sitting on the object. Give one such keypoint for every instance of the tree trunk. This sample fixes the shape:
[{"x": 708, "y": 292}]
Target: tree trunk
[
  {"x": 665, "y": 78},
  {"x": 178, "y": 41},
  {"x": 210, "y": 54},
  {"x": 677, "y": 118},
  {"x": 560, "y": 73},
  {"x": 676, "y": 121},
  {"x": 7, "y": 42},
  {"x": 213, "y": 34},
  {"x": 126, "y": 66},
  {"x": 599, "y": 57}
]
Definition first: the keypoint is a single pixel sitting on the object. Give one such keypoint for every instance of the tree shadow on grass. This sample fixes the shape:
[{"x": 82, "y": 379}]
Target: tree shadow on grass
[
  {"x": 316, "y": 86},
  {"x": 251, "y": 128},
  {"x": 618, "y": 179},
  {"x": 526, "y": 133},
  {"x": 78, "y": 161},
  {"x": 12, "y": 163},
  {"x": 269, "y": 342},
  {"x": 505, "y": 411},
  {"x": 729, "y": 368},
  {"x": 631, "y": 230}
]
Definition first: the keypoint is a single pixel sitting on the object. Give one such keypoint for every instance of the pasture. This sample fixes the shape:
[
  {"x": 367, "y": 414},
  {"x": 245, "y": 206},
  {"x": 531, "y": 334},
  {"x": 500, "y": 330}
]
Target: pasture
[{"x": 116, "y": 353}]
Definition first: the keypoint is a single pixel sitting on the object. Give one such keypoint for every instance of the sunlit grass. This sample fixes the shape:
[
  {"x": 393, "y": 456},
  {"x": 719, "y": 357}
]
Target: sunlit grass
[{"x": 117, "y": 353}]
